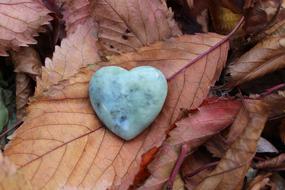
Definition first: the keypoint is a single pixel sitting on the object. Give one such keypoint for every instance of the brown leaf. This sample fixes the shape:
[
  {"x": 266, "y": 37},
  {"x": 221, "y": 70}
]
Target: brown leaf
[
  {"x": 217, "y": 145},
  {"x": 27, "y": 66},
  {"x": 76, "y": 51},
  {"x": 238, "y": 126},
  {"x": 27, "y": 60},
  {"x": 195, "y": 168},
  {"x": 277, "y": 163},
  {"x": 20, "y": 20},
  {"x": 62, "y": 142},
  {"x": 261, "y": 14},
  {"x": 194, "y": 130},
  {"x": 126, "y": 25},
  {"x": 260, "y": 182},
  {"x": 24, "y": 89},
  {"x": 229, "y": 173},
  {"x": 277, "y": 104},
  {"x": 266, "y": 57},
  {"x": 278, "y": 181},
  {"x": 10, "y": 179},
  {"x": 277, "y": 28}
]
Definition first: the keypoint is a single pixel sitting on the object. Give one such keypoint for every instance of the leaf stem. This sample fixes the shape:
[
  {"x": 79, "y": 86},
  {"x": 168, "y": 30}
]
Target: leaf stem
[
  {"x": 209, "y": 50},
  {"x": 182, "y": 155},
  {"x": 272, "y": 89}
]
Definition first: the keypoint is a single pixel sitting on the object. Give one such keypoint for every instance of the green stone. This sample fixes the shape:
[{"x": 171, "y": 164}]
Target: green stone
[{"x": 127, "y": 102}]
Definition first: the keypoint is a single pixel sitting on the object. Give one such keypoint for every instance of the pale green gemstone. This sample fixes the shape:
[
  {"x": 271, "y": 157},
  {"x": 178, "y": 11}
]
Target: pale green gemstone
[{"x": 127, "y": 101}]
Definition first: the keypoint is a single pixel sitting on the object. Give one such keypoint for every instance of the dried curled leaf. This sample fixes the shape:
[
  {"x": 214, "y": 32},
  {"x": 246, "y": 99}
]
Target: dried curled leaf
[
  {"x": 229, "y": 173},
  {"x": 10, "y": 179},
  {"x": 217, "y": 146},
  {"x": 194, "y": 131},
  {"x": 20, "y": 21},
  {"x": 24, "y": 89},
  {"x": 277, "y": 103},
  {"x": 195, "y": 168},
  {"x": 66, "y": 146},
  {"x": 76, "y": 51},
  {"x": 267, "y": 56},
  {"x": 261, "y": 14},
  {"x": 273, "y": 163},
  {"x": 27, "y": 60},
  {"x": 126, "y": 25},
  {"x": 27, "y": 66},
  {"x": 260, "y": 182}
]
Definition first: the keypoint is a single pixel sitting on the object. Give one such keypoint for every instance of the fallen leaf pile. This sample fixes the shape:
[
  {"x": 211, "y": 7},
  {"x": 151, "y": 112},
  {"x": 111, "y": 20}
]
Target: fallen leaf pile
[{"x": 218, "y": 128}]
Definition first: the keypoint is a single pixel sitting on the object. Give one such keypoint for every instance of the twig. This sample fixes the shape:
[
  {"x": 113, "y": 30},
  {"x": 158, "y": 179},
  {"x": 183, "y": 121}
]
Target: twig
[
  {"x": 15, "y": 126},
  {"x": 182, "y": 155},
  {"x": 272, "y": 89},
  {"x": 209, "y": 50},
  {"x": 276, "y": 117}
]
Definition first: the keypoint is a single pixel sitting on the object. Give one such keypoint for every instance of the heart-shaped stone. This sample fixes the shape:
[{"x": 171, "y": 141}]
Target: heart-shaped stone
[{"x": 127, "y": 101}]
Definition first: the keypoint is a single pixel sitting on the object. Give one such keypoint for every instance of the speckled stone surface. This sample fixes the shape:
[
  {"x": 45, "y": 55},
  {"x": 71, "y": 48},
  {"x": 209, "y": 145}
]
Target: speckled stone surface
[{"x": 127, "y": 101}]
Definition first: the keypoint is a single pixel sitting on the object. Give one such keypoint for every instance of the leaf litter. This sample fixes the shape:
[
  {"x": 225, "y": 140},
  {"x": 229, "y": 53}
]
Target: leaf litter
[{"x": 62, "y": 144}]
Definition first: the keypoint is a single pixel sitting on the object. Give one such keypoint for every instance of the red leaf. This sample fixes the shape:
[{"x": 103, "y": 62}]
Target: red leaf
[{"x": 210, "y": 119}]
